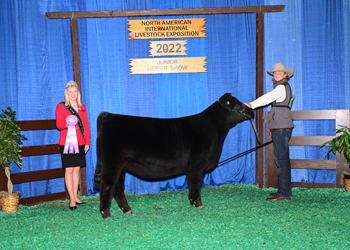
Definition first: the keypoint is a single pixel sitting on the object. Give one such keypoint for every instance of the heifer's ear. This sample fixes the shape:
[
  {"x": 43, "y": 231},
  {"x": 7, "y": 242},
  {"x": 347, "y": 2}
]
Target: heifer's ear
[{"x": 228, "y": 101}]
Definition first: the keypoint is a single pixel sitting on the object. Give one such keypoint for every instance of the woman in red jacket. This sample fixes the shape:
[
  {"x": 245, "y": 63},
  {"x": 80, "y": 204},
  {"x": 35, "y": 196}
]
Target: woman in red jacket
[{"x": 78, "y": 138}]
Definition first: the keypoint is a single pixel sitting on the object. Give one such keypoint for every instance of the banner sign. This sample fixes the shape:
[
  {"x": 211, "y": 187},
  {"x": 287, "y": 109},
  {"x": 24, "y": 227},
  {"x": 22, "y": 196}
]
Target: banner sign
[
  {"x": 167, "y": 65},
  {"x": 166, "y": 28},
  {"x": 168, "y": 48}
]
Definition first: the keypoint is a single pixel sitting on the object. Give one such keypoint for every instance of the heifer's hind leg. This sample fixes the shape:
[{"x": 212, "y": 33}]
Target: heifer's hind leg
[
  {"x": 119, "y": 194},
  {"x": 194, "y": 181},
  {"x": 109, "y": 180},
  {"x": 106, "y": 193}
]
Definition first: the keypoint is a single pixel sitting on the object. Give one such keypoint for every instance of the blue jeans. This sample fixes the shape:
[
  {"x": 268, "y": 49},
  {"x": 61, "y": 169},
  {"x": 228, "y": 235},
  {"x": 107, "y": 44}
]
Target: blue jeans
[{"x": 281, "y": 139}]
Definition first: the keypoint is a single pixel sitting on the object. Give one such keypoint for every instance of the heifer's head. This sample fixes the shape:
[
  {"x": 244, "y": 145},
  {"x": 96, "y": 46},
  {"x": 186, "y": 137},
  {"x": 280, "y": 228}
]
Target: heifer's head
[
  {"x": 232, "y": 104},
  {"x": 240, "y": 112}
]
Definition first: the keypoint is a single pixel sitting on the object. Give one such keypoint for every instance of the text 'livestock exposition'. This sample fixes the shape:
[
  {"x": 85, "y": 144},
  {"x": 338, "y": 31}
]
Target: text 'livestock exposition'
[{"x": 166, "y": 28}]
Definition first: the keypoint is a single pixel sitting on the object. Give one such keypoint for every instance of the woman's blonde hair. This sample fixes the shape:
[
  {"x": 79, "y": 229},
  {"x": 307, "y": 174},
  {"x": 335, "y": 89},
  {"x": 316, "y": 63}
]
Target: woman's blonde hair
[{"x": 66, "y": 99}]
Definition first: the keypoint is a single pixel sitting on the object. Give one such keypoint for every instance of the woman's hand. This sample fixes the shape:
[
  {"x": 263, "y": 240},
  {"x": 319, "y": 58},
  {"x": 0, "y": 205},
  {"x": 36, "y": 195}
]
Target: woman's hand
[
  {"x": 86, "y": 148},
  {"x": 248, "y": 104}
]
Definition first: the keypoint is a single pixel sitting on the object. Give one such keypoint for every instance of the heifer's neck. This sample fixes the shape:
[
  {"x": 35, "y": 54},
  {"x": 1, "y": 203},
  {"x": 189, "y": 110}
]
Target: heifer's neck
[
  {"x": 223, "y": 116},
  {"x": 217, "y": 114}
]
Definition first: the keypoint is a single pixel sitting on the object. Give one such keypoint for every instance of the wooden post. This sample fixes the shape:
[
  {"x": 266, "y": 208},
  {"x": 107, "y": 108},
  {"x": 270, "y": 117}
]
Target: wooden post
[
  {"x": 77, "y": 79},
  {"x": 3, "y": 180},
  {"x": 259, "y": 164},
  {"x": 75, "y": 50},
  {"x": 342, "y": 117}
]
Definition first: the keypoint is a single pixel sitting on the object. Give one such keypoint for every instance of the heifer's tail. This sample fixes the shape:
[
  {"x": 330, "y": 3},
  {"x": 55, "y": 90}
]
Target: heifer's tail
[
  {"x": 99, "y": 165},
  {"x": 98, "y": 171}
]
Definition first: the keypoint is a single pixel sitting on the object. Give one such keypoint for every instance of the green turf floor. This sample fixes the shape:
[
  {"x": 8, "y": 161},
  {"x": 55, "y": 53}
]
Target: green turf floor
[{"x": 233, "y": 217}]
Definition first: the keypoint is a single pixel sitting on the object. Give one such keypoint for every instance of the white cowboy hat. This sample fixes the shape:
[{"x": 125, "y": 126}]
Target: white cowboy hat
[{"x": 279, "y": 67}]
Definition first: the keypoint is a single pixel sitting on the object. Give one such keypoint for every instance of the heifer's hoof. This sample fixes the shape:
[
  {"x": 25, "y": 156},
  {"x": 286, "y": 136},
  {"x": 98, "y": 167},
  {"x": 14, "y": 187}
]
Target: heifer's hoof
[
  {"x": 197, "y": 205},
  {"x": 106, "y": 216},
  {"x": 129, "y": 212}
]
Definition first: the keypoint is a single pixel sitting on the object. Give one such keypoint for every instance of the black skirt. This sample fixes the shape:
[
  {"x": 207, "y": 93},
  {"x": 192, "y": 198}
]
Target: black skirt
[{"x": 73, "y": 160}]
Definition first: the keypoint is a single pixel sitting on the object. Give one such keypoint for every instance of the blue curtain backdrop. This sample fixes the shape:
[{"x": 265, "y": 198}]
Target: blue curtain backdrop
[{"x": 312, "y": 37}]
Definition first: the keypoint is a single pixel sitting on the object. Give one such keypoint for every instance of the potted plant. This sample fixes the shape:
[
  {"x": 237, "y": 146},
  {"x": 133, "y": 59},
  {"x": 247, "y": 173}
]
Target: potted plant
[
  {"x": 10, "y": 149},
  {"x": 341, "y": 144}
]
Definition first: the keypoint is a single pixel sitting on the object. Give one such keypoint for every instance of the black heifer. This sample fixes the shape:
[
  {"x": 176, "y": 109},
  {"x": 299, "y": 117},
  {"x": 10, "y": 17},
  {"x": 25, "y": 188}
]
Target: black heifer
[{"x": 154, "y": 149}]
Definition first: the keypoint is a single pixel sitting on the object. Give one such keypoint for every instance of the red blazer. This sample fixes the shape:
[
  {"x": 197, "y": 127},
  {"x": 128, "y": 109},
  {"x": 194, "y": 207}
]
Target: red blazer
[{"x": 61, "y": 114}]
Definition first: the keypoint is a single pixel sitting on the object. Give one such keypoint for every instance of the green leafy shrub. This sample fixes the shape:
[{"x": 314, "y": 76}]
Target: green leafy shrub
[
  {"x": 340, "y": 144},
  {"x": 10, "y": 139}
]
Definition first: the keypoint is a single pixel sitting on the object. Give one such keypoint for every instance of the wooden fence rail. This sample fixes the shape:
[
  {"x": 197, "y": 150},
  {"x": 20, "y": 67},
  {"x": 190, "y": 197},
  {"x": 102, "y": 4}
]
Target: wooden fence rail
[
  {"x": 340, "y": 117},
  {"x": 42, "y": 174}
]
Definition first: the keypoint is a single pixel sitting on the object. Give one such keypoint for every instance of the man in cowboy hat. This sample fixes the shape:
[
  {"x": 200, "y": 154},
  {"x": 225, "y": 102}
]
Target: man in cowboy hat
[{"x": 281, "y": 126}]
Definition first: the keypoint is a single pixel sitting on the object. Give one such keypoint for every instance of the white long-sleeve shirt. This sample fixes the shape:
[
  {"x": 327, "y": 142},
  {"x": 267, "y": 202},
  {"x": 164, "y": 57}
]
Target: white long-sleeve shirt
[{"x": 278, "y": 94}]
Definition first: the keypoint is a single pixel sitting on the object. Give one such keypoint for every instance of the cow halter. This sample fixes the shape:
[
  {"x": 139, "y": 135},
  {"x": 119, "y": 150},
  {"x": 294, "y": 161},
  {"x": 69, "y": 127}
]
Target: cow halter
[{"x": 239, "y": 112}]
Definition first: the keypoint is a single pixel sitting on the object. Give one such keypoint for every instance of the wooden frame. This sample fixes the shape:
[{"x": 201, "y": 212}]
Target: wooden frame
[
  {"x": 259, "y": 10},
  {"x": 42, "y": 174},
  {"x": 340, "y": 117}
]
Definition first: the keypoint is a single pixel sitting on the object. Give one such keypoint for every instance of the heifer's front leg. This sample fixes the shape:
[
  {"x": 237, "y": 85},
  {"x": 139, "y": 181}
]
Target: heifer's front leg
[
  {"x": 119, "y": 194},
  {"x": 194, "y": 181}
]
